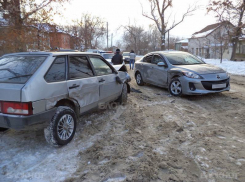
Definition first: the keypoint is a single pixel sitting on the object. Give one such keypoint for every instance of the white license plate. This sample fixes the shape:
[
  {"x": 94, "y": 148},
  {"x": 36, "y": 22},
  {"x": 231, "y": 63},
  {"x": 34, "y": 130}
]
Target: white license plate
[{"x": 214, "y": 86}]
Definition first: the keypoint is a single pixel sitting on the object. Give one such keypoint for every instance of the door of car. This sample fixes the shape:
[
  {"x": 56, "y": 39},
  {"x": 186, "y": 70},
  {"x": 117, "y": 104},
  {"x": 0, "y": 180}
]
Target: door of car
[
  {"x": 109, "y": 89},
  {"x": 145, "y": 68},
  {"x": 82, "y": 83},
  {"x": 158, "y": 74}
]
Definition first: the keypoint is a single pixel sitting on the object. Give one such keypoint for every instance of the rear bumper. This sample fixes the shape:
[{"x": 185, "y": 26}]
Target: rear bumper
[{"x": 19, "y": 122}]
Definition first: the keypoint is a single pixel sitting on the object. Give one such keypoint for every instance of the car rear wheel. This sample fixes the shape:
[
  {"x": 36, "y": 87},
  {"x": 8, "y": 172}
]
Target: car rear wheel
[
  {"x": 62, "y": 127},
  {"x": 175, "y": 87},
  {"x": 139, "y": 79}
]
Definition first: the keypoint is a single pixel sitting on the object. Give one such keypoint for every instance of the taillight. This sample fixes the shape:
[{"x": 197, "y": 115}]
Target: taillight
[{"x": 16, "y": 108}]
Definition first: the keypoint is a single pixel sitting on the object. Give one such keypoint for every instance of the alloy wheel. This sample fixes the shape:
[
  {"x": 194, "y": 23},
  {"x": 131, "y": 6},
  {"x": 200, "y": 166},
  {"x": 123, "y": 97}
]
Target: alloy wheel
[
  {"x": 65, "y": 127},
  {"x": 176, "y": 87}
]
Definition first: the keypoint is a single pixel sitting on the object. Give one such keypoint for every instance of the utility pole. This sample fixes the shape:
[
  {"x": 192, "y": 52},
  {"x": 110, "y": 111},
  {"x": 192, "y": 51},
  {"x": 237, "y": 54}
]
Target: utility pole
[
  {"x": 111, "y": 39},
  {"x": 107, "y": 36},
  {"x": 168, "y": 39}
]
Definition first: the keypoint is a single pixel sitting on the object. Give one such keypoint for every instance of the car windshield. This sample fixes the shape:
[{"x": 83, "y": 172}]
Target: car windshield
[
  {"x": 183, "y": 59},
  {"x": 108, "y": 56},
  {"x": 126, "y": 54},
  {"x": 18, "y": 69}
]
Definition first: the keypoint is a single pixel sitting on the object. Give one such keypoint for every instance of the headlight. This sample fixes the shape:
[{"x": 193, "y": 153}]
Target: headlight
[{"x": 192, "y": 75}]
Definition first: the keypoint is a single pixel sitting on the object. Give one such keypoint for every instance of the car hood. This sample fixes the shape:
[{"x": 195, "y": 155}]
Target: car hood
[{"x": 201, "y": 69}]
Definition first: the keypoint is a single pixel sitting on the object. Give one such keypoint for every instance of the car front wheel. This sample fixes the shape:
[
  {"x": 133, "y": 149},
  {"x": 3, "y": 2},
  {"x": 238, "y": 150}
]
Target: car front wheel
[
  {"x": 139, "y": 79},
  {"x": 124, "y": 95},
  {"x": 175, "y": 87},
  {"x": 62, "y": 127}
]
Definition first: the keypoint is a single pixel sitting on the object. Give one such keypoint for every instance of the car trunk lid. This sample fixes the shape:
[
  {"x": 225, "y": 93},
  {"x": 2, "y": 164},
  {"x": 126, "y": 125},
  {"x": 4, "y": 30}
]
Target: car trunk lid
[{"x": 10, "y": 92}]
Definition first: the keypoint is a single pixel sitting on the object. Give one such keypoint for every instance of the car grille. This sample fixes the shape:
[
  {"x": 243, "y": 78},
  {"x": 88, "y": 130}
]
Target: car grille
[{"x": 208, "y": 84}]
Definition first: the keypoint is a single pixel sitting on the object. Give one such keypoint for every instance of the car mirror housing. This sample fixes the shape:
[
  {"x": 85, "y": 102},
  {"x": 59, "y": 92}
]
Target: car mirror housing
[{"x": 161, "y": 64}]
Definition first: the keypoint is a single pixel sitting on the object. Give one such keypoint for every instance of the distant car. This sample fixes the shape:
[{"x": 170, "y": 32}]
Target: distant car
[
  {"x": 126, "y": 57},
  {"x": 57, "y": 87},
  {"x": 181, "y": 73},
  {"x": 108, "y": 57}
]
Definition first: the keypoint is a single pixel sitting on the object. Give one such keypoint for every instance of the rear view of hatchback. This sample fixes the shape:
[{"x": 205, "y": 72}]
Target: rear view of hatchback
[
  {"x": 58, "y": 88},
  {"x": 15, "y": 71}
]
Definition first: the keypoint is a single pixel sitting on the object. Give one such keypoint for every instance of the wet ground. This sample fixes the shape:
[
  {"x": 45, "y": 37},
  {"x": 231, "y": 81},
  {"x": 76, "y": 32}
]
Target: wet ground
[{"x": 155, "y": 137}]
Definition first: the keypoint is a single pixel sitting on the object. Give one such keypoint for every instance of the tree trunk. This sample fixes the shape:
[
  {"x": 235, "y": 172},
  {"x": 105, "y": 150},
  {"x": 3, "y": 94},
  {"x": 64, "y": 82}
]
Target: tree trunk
[
  {"x": 18, "y": 25},
  {"x": 234, "y": 47},
  {"x": 163, "y": 42}
]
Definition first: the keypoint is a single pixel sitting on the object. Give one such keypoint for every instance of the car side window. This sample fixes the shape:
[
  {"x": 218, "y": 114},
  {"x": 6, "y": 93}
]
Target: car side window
[
  {"x": 101, "y": 68},
  {"x": 57, "y": 71},
  {"x": 157, "y": 59},
  {"x": 79, "y": 67},
  {"x": 147, "y": 59}
]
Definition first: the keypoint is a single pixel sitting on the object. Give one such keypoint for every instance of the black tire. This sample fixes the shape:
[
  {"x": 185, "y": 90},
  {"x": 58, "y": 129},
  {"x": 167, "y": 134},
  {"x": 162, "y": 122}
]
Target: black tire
[
  {"x": 175, "y": 87},
  {"x": 124, "y": 95},
  {"x": 54, "y": 132},
  {"x": 139, "y": 79},
  {"x": 3, "y": 129}
]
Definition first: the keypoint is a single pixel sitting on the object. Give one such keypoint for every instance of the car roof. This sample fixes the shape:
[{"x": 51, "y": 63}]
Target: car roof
[
  {"x": 50, "y": 53},
  {"x": 166, "y": 52}
]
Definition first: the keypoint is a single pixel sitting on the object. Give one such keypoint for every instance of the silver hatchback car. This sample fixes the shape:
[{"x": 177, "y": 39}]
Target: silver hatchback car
[
  {"x": 181, "y": 73},
  {"x": 56, "y": 87}
]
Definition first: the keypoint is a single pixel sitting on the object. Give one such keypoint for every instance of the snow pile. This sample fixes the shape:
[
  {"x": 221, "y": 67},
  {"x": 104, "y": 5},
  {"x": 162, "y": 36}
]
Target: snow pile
[{"x": 233, "y": 67}]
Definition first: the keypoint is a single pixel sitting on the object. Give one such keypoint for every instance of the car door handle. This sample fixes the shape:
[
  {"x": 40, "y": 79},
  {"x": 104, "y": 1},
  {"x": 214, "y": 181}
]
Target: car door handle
[
  {"x": 101, "y": 80},
  {"x": 74, "y": 86}
]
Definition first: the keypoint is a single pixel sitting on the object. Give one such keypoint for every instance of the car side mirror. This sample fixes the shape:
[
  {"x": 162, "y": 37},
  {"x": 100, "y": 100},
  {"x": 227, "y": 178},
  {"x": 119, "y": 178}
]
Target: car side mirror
[{"x": 162, "y": 64}]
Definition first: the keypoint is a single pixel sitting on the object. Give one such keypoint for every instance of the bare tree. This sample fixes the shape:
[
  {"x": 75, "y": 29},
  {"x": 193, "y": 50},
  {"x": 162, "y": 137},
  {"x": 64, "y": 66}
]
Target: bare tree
[
  {"x": 91, "y": 30},
  {"x": 158, "y": 14},
  {"x": 132, "y": 34},
  {"x": 231, "y": 11},
  {"x": 141, "y": 40}
]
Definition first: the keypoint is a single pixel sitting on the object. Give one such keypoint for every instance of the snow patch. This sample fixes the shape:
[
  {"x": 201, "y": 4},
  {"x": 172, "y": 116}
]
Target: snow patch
[{"x": 232, "y": 67}]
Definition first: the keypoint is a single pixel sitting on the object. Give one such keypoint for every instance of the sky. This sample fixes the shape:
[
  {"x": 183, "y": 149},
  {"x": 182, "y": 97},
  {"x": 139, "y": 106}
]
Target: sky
[{"x": 121, "y": 12}]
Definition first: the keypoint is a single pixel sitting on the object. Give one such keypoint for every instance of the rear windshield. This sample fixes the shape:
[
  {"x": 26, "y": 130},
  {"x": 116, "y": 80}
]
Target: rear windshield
[
  {"x": 183, "y": 59},
  {"x": 107, "y": 56},
  {"x": 125, "y": 54},
  {"x": 18, "y": 69}
]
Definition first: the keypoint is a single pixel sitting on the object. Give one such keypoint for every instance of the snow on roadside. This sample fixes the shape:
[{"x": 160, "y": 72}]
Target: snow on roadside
[{"x": 232, "y": 67}]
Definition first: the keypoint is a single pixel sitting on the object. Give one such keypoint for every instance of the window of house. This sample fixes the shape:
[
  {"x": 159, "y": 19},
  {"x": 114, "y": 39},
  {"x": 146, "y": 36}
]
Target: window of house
[
  {"x": 79, "y": 67},
  {"x": 57, "y": 71},
  {"x": 101, "y": 68}
]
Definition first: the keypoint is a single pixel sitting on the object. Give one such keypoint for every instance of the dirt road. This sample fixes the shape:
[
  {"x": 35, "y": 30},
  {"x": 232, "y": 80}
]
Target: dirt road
[{"x": 155, "y": 137}]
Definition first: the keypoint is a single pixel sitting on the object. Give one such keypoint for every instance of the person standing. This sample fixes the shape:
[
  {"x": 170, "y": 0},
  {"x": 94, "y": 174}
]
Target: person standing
[
  {"x": 132, "y": 56},
  {"x": 117, "y": 58}
]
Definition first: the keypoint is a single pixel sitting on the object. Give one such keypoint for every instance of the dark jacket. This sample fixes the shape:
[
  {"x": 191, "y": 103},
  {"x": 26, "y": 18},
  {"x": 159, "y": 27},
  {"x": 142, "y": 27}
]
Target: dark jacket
[{"x": 117, "y": 59}]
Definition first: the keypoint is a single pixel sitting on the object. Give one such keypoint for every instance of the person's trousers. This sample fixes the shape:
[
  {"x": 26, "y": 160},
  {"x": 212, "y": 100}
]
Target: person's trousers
[{"x": 131, "y": 62}]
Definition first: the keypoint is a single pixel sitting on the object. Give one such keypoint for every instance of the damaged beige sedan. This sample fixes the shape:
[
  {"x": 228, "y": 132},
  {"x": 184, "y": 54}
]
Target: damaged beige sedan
[{"x": 56, "y": 87}]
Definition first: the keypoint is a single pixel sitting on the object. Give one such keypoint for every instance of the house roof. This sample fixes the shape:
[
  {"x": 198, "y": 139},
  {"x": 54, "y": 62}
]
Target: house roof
[
  {"x": 183, "y": 41},
  {"x": 208, "y": 29}
]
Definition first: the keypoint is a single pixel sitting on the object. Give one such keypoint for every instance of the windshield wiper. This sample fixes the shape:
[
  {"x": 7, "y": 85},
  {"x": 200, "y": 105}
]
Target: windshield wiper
[{"x": 20, "y": 76}]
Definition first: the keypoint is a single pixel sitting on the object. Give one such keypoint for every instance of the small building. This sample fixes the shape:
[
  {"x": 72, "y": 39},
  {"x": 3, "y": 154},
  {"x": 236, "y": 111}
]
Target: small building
[{"x": 182, "y": 45}]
